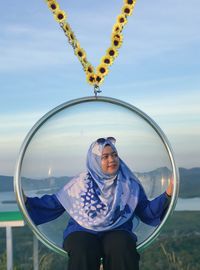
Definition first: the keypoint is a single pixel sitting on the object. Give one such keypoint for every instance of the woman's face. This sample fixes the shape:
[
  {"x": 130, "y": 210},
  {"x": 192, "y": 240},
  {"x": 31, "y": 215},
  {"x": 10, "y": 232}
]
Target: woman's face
[{"x": 109, "y": 161}]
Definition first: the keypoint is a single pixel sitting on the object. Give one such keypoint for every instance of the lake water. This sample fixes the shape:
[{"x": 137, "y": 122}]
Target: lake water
[
  {"x": 192, "y": 204},
  {"x": 8, "y": 203}
]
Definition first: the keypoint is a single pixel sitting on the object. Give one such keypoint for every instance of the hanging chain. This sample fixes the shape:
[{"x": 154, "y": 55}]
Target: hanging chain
[{"x": 96, "y": 90}]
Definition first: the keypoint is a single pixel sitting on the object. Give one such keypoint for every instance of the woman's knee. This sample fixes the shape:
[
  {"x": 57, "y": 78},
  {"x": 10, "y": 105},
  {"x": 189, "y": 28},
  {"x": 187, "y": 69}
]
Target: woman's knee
[
  {"x": 118, "y": 242},
  {"x": 82, "y": 242}
]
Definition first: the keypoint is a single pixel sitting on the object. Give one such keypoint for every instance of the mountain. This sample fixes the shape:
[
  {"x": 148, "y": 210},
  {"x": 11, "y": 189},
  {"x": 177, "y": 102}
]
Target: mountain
[
  {"x": 49, "y": 185},
  {"x": 189, "y": 181},
  {"x": 6, "y": 183},
  {"x": 150, "y": 179}
]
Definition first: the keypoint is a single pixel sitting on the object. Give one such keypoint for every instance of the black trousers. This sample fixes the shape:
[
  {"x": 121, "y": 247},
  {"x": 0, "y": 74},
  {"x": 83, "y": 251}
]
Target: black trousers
[{"x": 117, "y": 248}]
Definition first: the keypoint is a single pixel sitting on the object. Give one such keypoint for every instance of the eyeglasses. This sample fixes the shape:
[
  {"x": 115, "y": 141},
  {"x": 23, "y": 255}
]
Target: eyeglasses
[{"x": 102, "y": 140}]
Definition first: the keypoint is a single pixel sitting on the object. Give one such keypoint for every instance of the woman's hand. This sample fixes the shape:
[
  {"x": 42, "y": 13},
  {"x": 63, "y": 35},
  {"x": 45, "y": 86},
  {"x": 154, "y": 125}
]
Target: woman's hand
[{"x": 170, "y": 188}]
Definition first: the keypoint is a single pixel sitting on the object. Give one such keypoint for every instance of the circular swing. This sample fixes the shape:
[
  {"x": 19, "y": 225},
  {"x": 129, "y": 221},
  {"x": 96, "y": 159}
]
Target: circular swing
[{"x": 55, "y": 150}]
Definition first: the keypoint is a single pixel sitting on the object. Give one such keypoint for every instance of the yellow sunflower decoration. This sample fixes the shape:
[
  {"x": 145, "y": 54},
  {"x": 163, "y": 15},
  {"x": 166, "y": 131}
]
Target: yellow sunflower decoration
[
  {"x": 117, "y": 40},
  {"x": 102, "y": 70},
  {"x": 60, "y": 16},
  {"x": 93, "y": 77},
  {"x": 117, "y": 28},
  {"x": 99, "y": 79},
  {"x": 127, "y": 10},
  {"x": 131, "y": 3},
  {"x": 112, "y": 52},
  {"x": 66, "y": 27},
  {"x": 53, "y": 5},
  {"x": 89, "y": 68},
  {"x": 72, "y": 38},
  {"x": 80, "y": 53},
  {"x": 121, "y": 19},
  {"x": 107, "y": 60}
]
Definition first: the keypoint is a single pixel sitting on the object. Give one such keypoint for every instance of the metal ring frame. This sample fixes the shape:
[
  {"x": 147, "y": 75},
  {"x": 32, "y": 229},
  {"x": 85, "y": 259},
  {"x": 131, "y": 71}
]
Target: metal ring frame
[{"x": 17, "y": 177}]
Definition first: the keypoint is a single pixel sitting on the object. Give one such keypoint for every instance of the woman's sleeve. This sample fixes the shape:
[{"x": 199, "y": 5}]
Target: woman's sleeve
[
  {"x": 44, "y": 209},
  {"x": 152, "y": 212}
]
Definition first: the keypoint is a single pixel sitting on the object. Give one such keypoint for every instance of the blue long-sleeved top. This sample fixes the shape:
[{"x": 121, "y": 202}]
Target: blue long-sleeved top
[{"x": 48, "y": 207}]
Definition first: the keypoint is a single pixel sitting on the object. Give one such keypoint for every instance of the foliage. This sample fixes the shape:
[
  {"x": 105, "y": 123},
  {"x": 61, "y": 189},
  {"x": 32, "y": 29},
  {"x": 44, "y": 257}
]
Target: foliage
[{"x": 176, "y": 248}]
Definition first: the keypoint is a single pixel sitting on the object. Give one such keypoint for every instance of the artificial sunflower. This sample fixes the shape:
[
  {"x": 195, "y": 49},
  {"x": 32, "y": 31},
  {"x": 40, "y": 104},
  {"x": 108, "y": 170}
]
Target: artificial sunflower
[
  {"x": 121, "y": 19},
  {"x": 99, "y": 79},
  {"x": 116, "y": 43},
  {"x": 66, "y": 27},
  {"x": 102, "y": 70},
  {"x": 130, "y": 2},
  {"x": 60, "y": 16},
  {"x": 112, "y": 52},
  {"x": 117, "y": 28},
  {"x": 89, "y": 69},
  {"x": 127, "y": 10},
  {"x": 80, "y": 53},
  {"x": 90, "y": 78},
  {"x": 106, "y": 60},
  {"x": 117, "y": 39},
  {"x": 53, "y": 5},
  {"x": 117, "y": 36},
  {"x": 71, "y": 37},
  {"x": 84, "y": 62}
]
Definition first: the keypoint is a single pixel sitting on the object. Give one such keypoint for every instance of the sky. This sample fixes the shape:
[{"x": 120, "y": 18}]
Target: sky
[{"x": 157, "y": 69}]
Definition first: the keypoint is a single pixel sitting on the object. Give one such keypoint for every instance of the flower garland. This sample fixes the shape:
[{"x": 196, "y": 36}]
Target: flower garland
[{"x": 95, "y": 77}]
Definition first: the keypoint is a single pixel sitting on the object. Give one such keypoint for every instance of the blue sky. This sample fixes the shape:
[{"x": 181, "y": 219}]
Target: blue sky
[{"x": 157, "y": 69}]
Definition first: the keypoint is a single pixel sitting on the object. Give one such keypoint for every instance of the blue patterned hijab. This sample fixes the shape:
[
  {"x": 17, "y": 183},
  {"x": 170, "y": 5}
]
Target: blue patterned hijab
[{"x": 99, "y": 201}]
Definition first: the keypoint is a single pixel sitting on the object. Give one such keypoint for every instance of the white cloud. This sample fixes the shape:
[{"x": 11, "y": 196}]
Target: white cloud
[{"x": 15, "y": 124}]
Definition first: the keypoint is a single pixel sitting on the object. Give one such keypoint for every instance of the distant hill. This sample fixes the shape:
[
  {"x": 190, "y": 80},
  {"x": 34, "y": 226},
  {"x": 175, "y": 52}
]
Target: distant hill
[
  {"x": 6, "y": 183},
  {"x": 150, "y": 179},
  {"x": 189, "y": 181}
]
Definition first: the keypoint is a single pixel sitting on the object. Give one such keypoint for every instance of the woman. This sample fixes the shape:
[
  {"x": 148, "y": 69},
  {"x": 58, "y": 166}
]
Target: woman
[{"x": 103, "y": 204}]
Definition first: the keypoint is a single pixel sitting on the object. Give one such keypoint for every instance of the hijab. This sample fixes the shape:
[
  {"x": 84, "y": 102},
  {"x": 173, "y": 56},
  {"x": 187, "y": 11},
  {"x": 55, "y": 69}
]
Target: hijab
[{"x": 99, "y": 201}]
